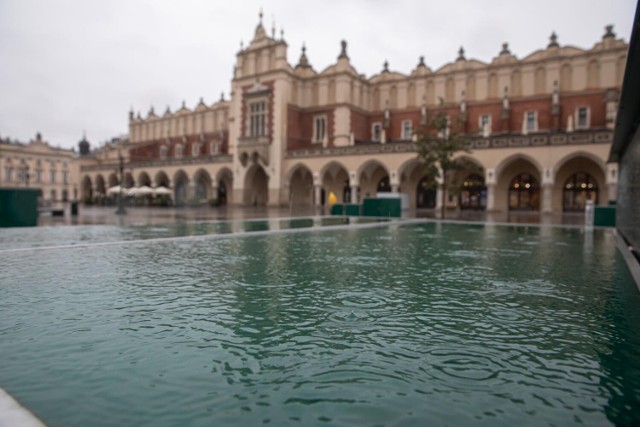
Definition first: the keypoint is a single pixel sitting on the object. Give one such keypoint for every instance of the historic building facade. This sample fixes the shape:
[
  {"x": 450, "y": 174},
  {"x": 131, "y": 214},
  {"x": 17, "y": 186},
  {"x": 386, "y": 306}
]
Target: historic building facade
[
  {"x": 540, "y": 129},
  {"x": 54, "y": 171}
]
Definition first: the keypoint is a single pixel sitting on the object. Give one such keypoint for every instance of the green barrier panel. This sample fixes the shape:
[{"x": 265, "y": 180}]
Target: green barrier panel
[
  {"x": 604, "y": 216},
  {"x": 345, "y": 209},
  {"x": 18, "y": 207},
  {"x": 382, "y": 207}
]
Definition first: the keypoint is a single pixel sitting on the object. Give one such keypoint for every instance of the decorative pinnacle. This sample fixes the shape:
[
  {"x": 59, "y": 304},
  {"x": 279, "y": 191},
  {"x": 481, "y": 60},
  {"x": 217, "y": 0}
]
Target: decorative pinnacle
[
  {"x": 260, "y": 16},
  {"x": 421, "y": 63},
  {"x": 553, "y": 40},
  {"x": 386, "y": 66},
  {"x": 343, "y": 52},
  {"x": 609, "y": 31},
  {"x": 505, "y": 49},
  {"x": 221, "y": 96},
  {"x": 461, "y": 54}
]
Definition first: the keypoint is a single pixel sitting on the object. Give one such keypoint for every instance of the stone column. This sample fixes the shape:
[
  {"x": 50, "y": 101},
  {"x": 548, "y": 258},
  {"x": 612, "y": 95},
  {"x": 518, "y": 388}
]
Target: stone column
[
  {"x": 547, "y": 192},
  {"x": 548, "y": 181},
  {"x": 354, "y": 185},
  {"x": 491, "y": 197},
  {"x": 354, "y": 194},
  {"x": 317, "y": 195},
  {"x": 394, "y": 181}
]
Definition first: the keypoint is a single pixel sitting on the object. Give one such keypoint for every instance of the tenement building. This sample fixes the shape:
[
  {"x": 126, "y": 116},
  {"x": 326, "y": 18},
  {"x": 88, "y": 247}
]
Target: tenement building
[
  {"x": 53, "y": 171},
  {"x": 539, "y": 129}
]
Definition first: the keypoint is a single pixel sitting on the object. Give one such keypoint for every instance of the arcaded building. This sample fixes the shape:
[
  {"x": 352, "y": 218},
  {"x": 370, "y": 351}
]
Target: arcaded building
[
  {"x": 52, "y": 170},
  {"x": 539, "y": 127}
]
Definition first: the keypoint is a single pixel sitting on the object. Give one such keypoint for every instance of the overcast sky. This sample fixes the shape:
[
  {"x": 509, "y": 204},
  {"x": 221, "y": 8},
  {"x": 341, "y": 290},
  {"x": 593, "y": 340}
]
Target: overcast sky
[{"x": 73, "y": 65}]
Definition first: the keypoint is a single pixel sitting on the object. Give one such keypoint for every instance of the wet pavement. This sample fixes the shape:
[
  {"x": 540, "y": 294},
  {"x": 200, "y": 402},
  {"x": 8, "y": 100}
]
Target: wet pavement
[{"x": 89, "y": 215}]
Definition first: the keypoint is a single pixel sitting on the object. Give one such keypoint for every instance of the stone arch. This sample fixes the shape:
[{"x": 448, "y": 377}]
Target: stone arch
[
  {"x": 593, "y": 74},
  {"x": 180, "y": 188},
  {"x": 579, "y": 163},
  {"x": 370, "y": 175},
  {"x": 431, "y": 93},
  {"x": 332, "y": 91},
  {"x": 449, "y": 90},
  {"x": 334, "y": 178},
  {"x": 492, "y": 86},
  {"x": 410, "y": 174},
  {"x": 508, "y": 196},
  {"x": 393, "y": 97},
  {"x": 566, "y": 79},
  {"x": 300, "y": 181},
  {"x": 256, "y": 186},
  {"x": 128, "y": 180},
  {"x": 144, "y": 179},
  {"x": 224, "y": 179},
  {"x": 161, "y": 179},
  {"x": 471, "y": 87},
  {"x": 101, "y": 189},
  {"x": 516, "y": 83},
  {"x": 411, "y": 95},
  {"x": 620, "y": 67},
  {"x": 202, "y": 186},
  {"x": 112, "y": 180},
  {"x": 540, "y": 80},
  {"x": 87, "y": 189}
]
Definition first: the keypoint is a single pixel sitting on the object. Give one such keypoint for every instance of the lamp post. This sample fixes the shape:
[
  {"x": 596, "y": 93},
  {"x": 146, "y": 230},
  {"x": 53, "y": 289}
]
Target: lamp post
[{"x": 120, "y": 210}]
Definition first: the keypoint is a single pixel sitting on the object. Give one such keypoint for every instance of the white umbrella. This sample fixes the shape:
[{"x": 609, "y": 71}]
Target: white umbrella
[
  {"x": 159, "y": 191},
  {"x": 113, "y": 190},
  {"x": 145, "y": 190}
]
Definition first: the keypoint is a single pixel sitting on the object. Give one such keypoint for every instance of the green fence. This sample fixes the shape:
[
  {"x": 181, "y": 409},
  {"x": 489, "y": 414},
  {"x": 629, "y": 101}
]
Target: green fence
[
  {"x": 18, "y": 207},
  {"x": 347, "y": 209},
  {"x": 604, "y": 216}
]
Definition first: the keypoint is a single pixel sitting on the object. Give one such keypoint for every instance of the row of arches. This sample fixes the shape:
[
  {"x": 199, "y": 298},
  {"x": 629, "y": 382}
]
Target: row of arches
[
  {"x": 200, "y": 188},
  {"x": 518, "y": 182}
]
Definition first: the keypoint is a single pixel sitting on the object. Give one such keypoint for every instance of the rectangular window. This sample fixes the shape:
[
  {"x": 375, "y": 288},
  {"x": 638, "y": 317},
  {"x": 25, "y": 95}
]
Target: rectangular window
[
  {"x": 319, "y": 128},
  {"x": 484, "y": 123},
  {"x": 38, "y": 176},
  {"x": 407, "y": 129},
  {"x": 65, "y": 177},
  {"x": 257, "y": 119},
  {"x": 52, "y": 176},
  {"x": 531, "y": 120},
  {"x": 8, "y": 176},
  {"x": 215, "y": 148},
  {"x": 195, "y": 150},
  {"x": 178, "y": 151},
  {"x": 376, "y": 132},
  {"x": 582, "y": 118}
]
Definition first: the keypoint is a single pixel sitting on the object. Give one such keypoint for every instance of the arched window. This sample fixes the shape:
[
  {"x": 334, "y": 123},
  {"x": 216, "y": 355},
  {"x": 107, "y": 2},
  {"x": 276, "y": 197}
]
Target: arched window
[
  {"x": 524, "y": 193},
  {"x": 426, "y": 194},
  {"x": 579, "y": 188},
  {"x": 473, "y": 194}
]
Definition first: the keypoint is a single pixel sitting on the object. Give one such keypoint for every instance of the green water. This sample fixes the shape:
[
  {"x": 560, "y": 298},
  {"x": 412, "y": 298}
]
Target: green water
[{"x": 426, "y": 324}]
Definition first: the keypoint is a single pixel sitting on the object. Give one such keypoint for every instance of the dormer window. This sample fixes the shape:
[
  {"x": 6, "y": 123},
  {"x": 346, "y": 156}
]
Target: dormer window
[{"x": 195, "y": 149}]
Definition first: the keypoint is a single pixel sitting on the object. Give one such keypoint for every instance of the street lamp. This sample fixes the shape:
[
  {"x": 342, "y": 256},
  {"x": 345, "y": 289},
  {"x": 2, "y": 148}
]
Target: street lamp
[{"x": 120, "y": 210}]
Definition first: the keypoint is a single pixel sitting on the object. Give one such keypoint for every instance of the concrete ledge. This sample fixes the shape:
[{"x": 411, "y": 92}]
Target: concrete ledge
[
  {"x": 630, "y": 259},
  {"x": 12, "y": 414}
]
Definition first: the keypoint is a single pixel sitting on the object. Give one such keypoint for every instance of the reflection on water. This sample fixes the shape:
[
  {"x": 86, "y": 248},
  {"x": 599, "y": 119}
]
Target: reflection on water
[{"x": 413, "y": 325}]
